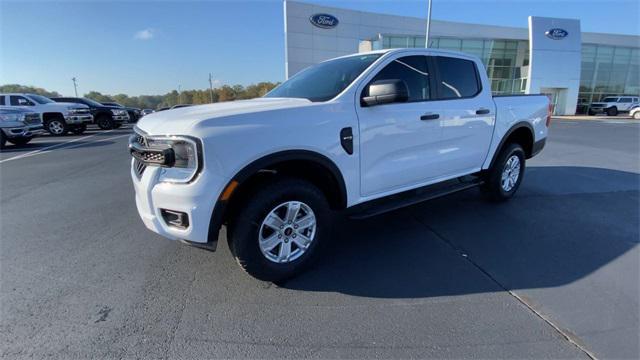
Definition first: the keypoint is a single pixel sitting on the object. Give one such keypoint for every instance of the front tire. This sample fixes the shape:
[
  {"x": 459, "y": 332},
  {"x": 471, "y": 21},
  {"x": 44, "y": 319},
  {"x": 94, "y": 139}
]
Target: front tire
[
  {"x": 613, "y": 111},
  {"x": 57, "y": 126},
  {"x": 505, "y": 176},
  {"x": 104, "y": 122},
  {"x": 636, "y": 115},
  {"x": 280, "y": 229},
  {"x": 20, "y": 140}
]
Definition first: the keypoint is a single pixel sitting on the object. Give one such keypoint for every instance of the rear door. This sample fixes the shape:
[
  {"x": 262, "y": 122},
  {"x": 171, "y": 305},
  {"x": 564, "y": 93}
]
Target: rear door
[{"x": 467, "y": 114}]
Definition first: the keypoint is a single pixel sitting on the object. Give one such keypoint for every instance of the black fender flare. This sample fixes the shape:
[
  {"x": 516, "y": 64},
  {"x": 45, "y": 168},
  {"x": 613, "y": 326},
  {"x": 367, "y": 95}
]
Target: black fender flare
[
  {"x": 219, "y": 210},
  {"x": 512, "y": 129}
]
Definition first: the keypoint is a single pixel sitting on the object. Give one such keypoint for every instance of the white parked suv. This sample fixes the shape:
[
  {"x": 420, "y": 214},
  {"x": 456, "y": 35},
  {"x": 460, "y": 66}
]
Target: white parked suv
[
  {"x": 361, "y": 134},
  {"x": 612, "y": 105},
  {"x": 58, "y": 118}
]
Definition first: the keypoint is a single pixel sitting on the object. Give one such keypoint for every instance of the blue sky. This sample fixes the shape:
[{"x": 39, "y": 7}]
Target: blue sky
[{"x": 152, "y": 47}]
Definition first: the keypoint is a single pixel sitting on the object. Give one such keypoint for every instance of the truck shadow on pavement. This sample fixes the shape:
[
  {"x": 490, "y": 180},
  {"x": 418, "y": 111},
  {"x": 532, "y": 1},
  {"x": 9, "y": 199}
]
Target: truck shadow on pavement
[{"x": 565, "y": 223}]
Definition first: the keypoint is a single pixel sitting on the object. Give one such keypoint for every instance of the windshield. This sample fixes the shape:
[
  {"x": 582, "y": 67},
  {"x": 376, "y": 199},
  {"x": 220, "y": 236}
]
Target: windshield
[
  {"x": 40, "y": 99},
  {"x": 324, "y": 81},
  {"x": 610, "y": 99}
]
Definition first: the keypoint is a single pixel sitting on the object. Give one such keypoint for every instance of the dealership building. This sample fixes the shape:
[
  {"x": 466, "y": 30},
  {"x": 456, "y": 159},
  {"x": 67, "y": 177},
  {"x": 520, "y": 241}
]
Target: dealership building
[{"x": 551, "y": 56}]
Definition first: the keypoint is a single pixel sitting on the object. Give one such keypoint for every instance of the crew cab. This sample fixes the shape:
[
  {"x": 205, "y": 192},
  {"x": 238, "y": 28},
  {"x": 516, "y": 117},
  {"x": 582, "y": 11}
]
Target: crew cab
[
  {"x": 106, "y": 117},
  {"x": 18, "y": 125},
  {"x": 58, "y": 118},
  {"x": 612, "y": 105},
  {"x": 358, "y": 135}
]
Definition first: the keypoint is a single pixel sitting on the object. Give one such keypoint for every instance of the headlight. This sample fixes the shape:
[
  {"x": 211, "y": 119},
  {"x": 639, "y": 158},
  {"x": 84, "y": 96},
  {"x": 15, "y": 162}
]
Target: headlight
[
  {"x": 118, "y": 112},
  {"x": 12, "y": 117},
  {"x": 186, "y": 161}
]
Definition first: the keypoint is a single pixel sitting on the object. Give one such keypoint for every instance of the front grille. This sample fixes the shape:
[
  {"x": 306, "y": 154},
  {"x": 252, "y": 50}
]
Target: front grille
[
  {"x": 139, "y": 166},
  {"x": 32, "y": 119},
  {"x": 80, "y": 111}
]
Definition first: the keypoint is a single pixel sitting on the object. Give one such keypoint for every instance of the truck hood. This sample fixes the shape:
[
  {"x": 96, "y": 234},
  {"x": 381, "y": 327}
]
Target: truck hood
[{"x": 179, "y": 121}]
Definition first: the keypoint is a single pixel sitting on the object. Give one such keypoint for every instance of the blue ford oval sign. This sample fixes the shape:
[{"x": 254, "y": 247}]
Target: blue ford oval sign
[
  {"x": 556, "y": 34},
  {"x": 324, "y": 21}
]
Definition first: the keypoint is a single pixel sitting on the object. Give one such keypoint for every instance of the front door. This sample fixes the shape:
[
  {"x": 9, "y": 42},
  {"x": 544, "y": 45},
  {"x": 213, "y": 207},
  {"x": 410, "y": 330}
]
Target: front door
[{"x": 400, "y": 142}]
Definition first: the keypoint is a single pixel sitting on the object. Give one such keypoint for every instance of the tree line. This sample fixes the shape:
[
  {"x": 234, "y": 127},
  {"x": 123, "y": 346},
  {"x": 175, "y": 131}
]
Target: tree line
[{"x": 206, "y": 96}]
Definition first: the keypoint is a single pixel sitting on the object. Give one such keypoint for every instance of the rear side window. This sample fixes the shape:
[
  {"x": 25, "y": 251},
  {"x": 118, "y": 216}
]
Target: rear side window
[
  {"x": 458, "y": 78},
  {"x": 413, "y": 71},
  {"x": 625, "y": 100},
  {"x": 2, "y": 100},
  {"x": 19, "y": 101}
]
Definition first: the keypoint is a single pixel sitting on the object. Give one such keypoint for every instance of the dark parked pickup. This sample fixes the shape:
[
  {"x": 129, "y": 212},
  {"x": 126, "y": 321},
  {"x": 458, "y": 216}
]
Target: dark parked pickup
[
  {"x": 106, "y": 117},
  {"x": 134, "y": 113}
]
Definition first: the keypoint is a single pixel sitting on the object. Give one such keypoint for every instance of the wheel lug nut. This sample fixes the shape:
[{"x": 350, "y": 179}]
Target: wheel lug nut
[
  {"x": 279, "y": 236},
  {"x": 286, "y": 240},
  {"x": 294, "y": 235},
  {"x": 295, "y": 226},
  {"x": 281, "y": 226}
]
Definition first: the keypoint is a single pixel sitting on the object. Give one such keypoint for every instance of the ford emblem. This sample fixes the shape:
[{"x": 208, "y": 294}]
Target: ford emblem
[
  {"x": 324, "y": 21},
  {"x": 556, "y": 34}
]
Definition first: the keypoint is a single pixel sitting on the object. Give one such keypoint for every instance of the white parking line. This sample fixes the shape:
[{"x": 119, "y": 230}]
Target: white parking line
[{"x": 63, "y": 146}]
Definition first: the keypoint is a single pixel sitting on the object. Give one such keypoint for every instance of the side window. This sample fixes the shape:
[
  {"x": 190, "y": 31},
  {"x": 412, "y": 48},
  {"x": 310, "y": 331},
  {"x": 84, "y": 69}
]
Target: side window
[
  {"x": 19, "y": 101},
  {"x": 413, "y": 71},
  {"x": 625, "y": 100},
  {"x": 458, "y": 78},
  {"x": 2, "y": 100}
]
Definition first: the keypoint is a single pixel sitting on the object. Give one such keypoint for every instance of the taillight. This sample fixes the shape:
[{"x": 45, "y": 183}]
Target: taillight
[{"x": 549, "y": 113}]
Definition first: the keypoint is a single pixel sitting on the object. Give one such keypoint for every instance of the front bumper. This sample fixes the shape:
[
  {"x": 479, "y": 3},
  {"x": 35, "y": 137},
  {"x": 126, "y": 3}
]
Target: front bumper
[
  {"x": 120, "y": 118},
  {"x": 23, "y": 131},
  {"x": 197, "y": 199},
  {"x": 78, "y": 119}
]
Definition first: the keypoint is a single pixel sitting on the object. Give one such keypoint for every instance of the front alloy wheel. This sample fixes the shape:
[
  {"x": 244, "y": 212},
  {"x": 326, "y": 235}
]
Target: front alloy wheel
[
  {"x": 56, "y": 127},
  {"x": 287, "y": 232},
  {"x": 279, "y": 229}
]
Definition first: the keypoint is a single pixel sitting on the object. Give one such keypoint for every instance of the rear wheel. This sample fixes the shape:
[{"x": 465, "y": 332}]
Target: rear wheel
[
  {"x": 279, "y": 231},
  {"x": 56, "y": 126},
  {"x": 104, "y": 122},
  {"x": 505, "y": 176},
  {"x": 3, "y": 140},
  {"x": 20, "y": 140},
  {"x": 612, "y": 111}
]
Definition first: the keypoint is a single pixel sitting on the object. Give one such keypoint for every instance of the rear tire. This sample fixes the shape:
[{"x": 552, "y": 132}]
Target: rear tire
[
  {"x": 505, "y": 176},
  {"x": 280, "y": 229},
  {"x": 3, "y": 140},
  {"x": 56, "y": 126},
  {"x": 612, "y": 111},
  {"x": 20, "y": 140},
  {"x": 104, "y": 122}
]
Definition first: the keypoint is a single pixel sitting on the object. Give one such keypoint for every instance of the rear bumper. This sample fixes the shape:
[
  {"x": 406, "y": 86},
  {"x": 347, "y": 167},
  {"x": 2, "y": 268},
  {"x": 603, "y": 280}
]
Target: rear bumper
[{"x": 538, "y": 146}]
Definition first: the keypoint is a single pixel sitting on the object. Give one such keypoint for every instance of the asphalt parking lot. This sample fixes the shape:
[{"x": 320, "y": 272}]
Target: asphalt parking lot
[{"x": 553, "y": 273}]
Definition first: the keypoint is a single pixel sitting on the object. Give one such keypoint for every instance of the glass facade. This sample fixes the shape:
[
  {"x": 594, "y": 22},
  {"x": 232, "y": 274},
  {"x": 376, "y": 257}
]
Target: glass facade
[
  {"x": 608, "y": 70},
  {"x": 506, "y": 61}
]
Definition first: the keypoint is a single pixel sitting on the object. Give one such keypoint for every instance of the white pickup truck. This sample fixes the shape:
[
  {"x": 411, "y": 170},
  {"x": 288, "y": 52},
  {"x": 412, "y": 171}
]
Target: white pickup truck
[{"x": 360, "y": 135}]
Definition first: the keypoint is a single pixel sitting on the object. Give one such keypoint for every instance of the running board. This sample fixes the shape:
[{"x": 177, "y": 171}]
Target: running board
[{"x": 412, "y": 197}]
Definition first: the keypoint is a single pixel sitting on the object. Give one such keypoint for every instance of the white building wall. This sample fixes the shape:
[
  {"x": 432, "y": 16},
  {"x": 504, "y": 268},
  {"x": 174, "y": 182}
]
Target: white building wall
[{"x": 554, "y": 65}]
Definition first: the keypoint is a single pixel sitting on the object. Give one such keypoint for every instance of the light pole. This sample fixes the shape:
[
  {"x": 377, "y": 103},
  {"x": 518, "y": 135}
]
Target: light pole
[
  {"x": 179, "y": 94},
  {"x": 210, "y": 88},
  {"x": 75, "y": 85},
  {"x": 426, "y": 37}
]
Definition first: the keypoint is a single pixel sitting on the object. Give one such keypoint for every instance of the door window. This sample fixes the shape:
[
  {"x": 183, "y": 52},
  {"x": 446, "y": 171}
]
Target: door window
[
  {"x": 458, "y": 78},
  {"x": 413, "y": 71},
  {"x": 1, "y": 100},
  {"x": 625, "y": 100},
  {"x": 19, "y": 101}
]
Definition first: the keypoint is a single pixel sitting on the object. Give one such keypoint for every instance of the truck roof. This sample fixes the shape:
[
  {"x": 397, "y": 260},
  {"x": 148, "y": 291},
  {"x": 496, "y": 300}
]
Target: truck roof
[{"x": 426, "y": 51}]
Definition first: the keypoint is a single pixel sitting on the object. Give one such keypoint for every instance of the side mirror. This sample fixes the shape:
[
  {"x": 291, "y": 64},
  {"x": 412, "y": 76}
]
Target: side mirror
[{"x": 385, "y": 92}]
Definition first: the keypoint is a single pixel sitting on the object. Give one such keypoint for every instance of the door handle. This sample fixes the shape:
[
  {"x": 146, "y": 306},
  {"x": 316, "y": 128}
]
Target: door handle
[
  {"x": 482, "y": 111},
  {"x": 430, "y": 117}
]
